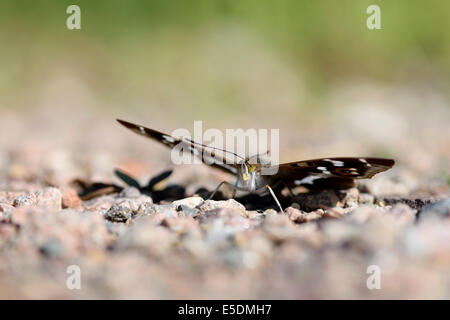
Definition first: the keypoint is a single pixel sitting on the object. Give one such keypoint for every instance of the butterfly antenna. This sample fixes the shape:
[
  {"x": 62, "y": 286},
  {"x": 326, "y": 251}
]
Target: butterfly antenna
[{"x": 214, "y": 148}]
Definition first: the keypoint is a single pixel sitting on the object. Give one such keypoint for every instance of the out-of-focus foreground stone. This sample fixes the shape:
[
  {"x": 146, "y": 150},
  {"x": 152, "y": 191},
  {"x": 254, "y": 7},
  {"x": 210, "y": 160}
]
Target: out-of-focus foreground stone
[{"x": 128, "y": 247}]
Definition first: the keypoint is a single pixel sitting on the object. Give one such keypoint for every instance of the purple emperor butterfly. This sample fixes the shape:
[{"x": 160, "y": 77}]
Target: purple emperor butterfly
[{"x": 316, "y": 174}]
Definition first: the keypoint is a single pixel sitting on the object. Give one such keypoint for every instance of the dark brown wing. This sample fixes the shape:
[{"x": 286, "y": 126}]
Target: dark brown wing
[
  {"x": 201, "y": 151},
  {"x": 333, "y": 173}
]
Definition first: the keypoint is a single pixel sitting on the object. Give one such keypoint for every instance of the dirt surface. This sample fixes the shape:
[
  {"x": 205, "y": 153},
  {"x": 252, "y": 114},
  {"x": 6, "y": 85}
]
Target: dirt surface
[{"x": 166, "y": 241}]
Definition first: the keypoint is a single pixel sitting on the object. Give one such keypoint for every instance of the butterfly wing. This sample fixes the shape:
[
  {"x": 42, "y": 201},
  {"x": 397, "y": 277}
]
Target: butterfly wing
[
  {"x": 202, "y": 151},
  {"x": 330, "y": 173}
]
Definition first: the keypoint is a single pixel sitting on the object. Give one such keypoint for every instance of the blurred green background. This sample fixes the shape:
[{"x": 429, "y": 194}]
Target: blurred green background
[
  {"x": 205, "y": 59},
  {"x": 310, "y": 68}
]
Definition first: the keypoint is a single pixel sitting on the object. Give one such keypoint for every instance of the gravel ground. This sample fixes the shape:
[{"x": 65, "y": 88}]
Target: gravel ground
[{"x": 168, "y": 242}]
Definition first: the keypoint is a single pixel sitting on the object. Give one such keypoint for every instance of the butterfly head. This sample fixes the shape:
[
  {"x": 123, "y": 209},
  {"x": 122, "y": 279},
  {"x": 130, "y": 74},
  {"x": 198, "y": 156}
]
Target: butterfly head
[
  {"x": 247, "y": 171},
  {"x": 250, "y": 171},
  {"x": 247, "y": 175}
]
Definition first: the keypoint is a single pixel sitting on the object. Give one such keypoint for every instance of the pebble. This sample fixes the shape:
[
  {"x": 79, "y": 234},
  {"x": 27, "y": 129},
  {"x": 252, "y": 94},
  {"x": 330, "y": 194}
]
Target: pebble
[
  {"x": 50, "y": 198},
  {"x": 295, "y": 214},
  {"x": 366, "y": 199},
  {"x": 403, "y": 214},
  {"x": 188, "y": 210},
  {"x": 411, "y": 202},
  {"x": 6, "y": 231},
  {"x": 158, "y": 211},
  {"x": 191, "y": 202},
  {"x": 130, "y": 192},
  {"x": 228, "y": 204},
  {"x": 361, "y": 214},
  {"x": 51, "y": 248},
  {"x": 6, "y": 211},
  {"x": 440, "y": 208},
  {"x": 119, "y": 213},
  {"x": 350, "y": 198},
  {"x": 70, "y": 198},
  {"x": 19, "y": 216},
  {"x": 148, "y": 237}
]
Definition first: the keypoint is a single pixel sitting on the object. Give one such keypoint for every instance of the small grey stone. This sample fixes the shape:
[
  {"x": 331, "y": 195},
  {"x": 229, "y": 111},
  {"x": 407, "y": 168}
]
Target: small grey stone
[
  {"x": 50, "y": 198},
  {"x": 167, "y": 211},
  {"x": 21, "y": 201},
  {"x": 412, "y": 202},
  {"x": 6, "y": 211},
  {"x": 118, "y": 213},
  {"x": 146, "y": 208},
  {"x": 189, "y": 202},
  {"x": 233, "y": 257},
  {"x": 365, "y": 198},
  {"x": 153, "y": 209},
  {"x": 116, "y": 228},
  {"x": 130, "y": 192},
  {"x": 440, "y": 208},
  {"x": 51, "y": 248},
  {"x": 228, "y": 204},
  {"x": 187, "y": 210}
]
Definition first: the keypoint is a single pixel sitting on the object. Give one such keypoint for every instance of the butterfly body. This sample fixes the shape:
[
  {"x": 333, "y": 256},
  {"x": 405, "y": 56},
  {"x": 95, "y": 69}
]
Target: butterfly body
[
  {"x": 251, "y": 173},
  {"x": 250, "y": 179}
]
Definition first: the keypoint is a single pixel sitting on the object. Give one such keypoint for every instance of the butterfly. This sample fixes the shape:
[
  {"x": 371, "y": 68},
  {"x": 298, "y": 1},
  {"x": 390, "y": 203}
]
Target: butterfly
[{"x": 315, "y": 174}]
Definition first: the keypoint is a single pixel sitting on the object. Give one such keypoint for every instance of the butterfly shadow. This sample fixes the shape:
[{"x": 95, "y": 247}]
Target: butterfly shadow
[
  {"x": 307, "y": 201},
  {"x": 88, "y": 191}
]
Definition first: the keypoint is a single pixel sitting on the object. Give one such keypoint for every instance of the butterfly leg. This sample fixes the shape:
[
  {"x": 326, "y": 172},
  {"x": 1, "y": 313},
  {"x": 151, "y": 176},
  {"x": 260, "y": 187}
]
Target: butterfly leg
[
  {"x": 233, "y": 186},
  {"x": 217, "y": 189},
  {"x": 274, "y": 197}
]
